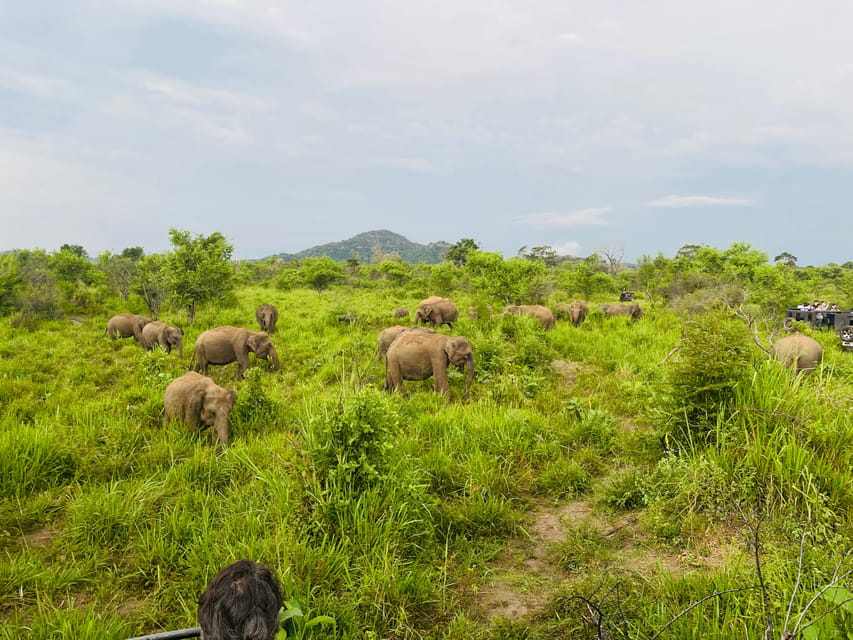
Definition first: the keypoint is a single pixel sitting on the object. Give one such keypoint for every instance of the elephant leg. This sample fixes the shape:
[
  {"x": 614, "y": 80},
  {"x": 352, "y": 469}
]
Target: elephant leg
[
  {"x": 242, "y": 362},
  {"x": 439, "y": 373}
]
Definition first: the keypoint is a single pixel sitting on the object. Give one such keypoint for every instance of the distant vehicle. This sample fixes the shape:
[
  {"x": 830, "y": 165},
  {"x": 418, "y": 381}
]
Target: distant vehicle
[
  {"x": 839, "y": 321},
  {"x": 626, "y": 296}
]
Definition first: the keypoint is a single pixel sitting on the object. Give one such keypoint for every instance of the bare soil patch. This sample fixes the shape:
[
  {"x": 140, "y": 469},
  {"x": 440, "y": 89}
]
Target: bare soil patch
[
  {"x": 526, "y": 574},
  {"x": 40, "y": 538}
]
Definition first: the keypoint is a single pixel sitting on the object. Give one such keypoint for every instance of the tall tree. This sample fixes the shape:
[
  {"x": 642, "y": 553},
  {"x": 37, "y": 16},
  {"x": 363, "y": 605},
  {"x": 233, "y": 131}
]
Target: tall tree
[
  {"x": 150, "y": 281},
  {"x": 198, "y": 269},
  {"x": 458, "y": 253}
]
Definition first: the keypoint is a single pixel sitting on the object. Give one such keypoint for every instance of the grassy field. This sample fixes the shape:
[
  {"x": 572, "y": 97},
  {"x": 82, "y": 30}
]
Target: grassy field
[{"x": 589, "y": 478}]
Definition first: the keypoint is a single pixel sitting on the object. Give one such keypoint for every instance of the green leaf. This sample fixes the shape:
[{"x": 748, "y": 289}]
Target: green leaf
[
  {"x": 320, "y": 620},
  {"x": 841, "y": 597}
]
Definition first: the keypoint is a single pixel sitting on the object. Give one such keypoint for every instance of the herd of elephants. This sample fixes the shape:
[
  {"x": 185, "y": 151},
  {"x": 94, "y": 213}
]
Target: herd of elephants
[{"x": 409, "y": 353}]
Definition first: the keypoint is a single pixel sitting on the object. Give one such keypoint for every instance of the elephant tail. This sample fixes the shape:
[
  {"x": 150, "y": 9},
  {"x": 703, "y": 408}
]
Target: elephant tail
[{"x": 192, "y": 362}]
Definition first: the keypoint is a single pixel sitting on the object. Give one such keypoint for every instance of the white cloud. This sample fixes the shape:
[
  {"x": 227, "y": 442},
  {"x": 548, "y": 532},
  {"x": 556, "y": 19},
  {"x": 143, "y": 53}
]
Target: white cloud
[
  {"x": 553, "y": 220},
  {"x": 567, "y": 248},
  {"x": 32, "y": 83},
  {"x": 184, "y": 93},
  {"x": 417, "y": 165},
  {"x": 700, "y": 201}
]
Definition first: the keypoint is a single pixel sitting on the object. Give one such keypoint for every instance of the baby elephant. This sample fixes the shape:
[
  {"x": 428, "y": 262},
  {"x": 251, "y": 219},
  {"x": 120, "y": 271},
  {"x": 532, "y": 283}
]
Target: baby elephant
[
  {"x": 417, "y": 355},
  {"x": 159, "y": 333},
  {"x": 267, "y": 316},
  {"x": 200, "y": 403}
]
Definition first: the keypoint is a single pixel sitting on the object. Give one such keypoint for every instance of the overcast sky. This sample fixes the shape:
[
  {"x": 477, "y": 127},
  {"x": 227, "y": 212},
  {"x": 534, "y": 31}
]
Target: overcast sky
[{"x": 632, "y": 126}]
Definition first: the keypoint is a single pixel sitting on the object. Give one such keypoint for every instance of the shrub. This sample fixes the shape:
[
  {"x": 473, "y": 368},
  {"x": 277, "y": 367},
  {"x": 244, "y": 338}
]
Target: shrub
[{"x": 713, "y": 360}]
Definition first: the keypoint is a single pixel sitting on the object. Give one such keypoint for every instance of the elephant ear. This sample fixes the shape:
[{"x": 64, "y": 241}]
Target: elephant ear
[
  {"x": 195, "y": 405},
  {"x": 232, "y": 393}
]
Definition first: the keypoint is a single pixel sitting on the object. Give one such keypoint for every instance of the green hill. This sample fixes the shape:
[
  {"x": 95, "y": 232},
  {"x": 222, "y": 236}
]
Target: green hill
[{"x": 366, "y": 244}]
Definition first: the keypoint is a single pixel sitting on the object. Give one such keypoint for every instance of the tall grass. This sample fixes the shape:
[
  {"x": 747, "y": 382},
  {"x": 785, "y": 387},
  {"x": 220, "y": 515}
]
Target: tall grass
[{"x": 389, "y": 511}]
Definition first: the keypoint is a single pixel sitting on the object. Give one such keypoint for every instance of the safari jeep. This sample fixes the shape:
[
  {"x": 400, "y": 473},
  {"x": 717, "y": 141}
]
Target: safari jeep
[{"x": 839, "y": 321}]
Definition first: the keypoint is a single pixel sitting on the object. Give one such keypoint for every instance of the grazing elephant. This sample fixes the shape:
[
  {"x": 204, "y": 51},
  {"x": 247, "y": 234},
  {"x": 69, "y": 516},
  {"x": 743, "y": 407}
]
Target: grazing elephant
[
  {"x": 267, "y": 316},
  {"x": 402, "y": 312},
  {"x": 159, "y": 333},
  {"x": 543, "y": 314},
  {"x": 417, "y": 355},
  {"x": 387, "y": 336},
  {"x": 437, "y": 311},
  {"x": 224, "y": 345},
  {"x": 125, "y": 325},
  {"x": 200, "y": 403},
  {"x": 802, "y": 352},
  {"x": 632, "y": 310}
]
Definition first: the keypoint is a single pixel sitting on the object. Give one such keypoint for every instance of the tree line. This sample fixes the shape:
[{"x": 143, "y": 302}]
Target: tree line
[{"x": 36, "y": 284}]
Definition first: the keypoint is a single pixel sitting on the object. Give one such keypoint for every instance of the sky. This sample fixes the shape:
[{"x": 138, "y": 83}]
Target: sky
[{"x": 619, "y": 126}]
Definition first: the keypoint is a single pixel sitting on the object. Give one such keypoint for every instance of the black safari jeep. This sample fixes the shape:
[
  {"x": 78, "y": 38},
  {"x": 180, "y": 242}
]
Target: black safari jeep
[{"x": 839, "y": 321}]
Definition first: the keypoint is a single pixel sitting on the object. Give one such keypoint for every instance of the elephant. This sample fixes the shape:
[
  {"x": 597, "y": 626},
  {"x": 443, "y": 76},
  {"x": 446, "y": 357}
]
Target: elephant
[
  {"x": 159, "y": 333},
  {"x": 631, "y": 310},
  {"x": 125, "y": 325},
  {"x": 437, "y": 311},
  {"x": 387, "y": 336},
  {"x": 402, "y": 312},
  {"x": 801, "y": 352},
  {"x": 543, "y": 314},
  {"x": 224, "y": 345},
  {"x": 267, "y": 316},
  {"x": 577, "y": 312},
  {"x": 416, "y": 355},
  {"x": 200, "y": 403}
]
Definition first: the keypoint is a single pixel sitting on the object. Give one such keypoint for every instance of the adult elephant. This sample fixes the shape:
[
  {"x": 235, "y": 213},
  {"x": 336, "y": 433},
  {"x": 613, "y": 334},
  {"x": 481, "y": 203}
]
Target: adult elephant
[
  {"x": 125, "y": 325},
  {"x": 798, "y": 351},
  {"x": 162, "y": 334},
  {"x": 418, "y": 355},
  {"x": 200, "y": 403},
  {"x": 631, "y": 310},
  {"x": 543, "y": 314},
  {"x": 437, "y": 311},
  {"x": 224, "y": 345},
  {"x": 267, "y": 316},
  {"x": 387, "y": 336}
]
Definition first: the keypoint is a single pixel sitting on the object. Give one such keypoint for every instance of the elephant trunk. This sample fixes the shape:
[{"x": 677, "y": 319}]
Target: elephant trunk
[
  {"x": 469, "y": 374},
  {"x": 273, "y": 358},
  {"x": 220, "y": 428},
  {"x": 180, "y": 345}
]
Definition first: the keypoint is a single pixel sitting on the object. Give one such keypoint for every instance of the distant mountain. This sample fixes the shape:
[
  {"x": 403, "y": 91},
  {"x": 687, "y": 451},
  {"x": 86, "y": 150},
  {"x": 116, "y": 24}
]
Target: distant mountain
[{"x": 364, "y": 244}]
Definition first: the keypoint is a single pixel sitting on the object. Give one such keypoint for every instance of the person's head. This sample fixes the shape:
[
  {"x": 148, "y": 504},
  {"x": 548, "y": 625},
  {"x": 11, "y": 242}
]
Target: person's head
[{"x": 240, "y": 603}]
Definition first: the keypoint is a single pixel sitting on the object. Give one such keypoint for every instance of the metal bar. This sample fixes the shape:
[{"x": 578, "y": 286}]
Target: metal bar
[{"x": 178, "y": 634}]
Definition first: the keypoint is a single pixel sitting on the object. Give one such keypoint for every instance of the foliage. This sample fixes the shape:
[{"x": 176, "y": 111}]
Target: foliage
[
  {"x": 545, "y": 254},
  {"x": 320, "y": 273},
  {"x": 10, "y": 283},
  {"x": 513, "y": 281},
  {"x": 198, "y": 269},
  {"x": 355, "y": 441},
  {"x": 713, "y": 359},
  {"x": 151, "y": 282},
  {"x": 458, "y": 252},
  {"x": 120, "y": 271}
]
